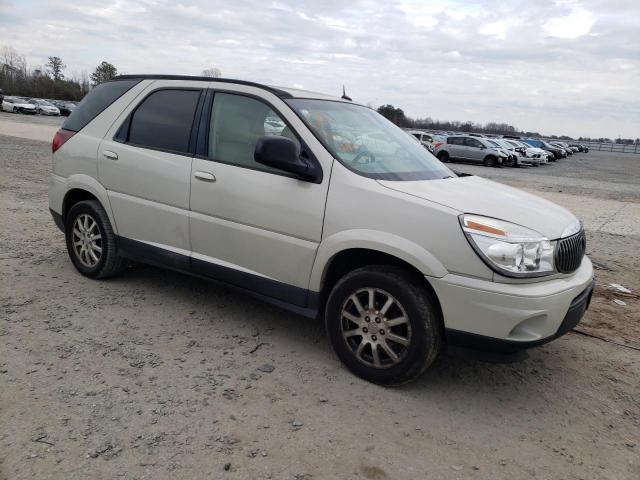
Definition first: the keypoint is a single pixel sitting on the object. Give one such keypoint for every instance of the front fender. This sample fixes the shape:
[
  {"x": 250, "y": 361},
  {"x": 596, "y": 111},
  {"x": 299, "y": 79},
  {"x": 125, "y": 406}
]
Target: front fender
[{"x": 384, "y": 242}]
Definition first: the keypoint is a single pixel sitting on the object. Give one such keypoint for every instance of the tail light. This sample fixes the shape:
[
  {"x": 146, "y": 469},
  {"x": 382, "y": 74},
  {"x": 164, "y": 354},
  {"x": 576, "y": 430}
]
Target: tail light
[
  {"x": 437, "y": 144},
  {"x": 60, "y": 138}
]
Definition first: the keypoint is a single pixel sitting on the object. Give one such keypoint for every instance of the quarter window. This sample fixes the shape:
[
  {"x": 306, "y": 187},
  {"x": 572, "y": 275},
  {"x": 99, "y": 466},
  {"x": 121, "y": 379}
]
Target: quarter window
[
  {"x": 236, "y": 124},
  {"x": 164, "y": 119}
]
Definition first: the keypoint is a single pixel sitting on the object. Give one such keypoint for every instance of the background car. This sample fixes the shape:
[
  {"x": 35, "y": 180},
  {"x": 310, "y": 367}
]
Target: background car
[
  {"x": 531, "y": 153},
  {"x": 66, "y": 108},
  {"x": 17, "y": 105},
  {"x": 43, "y": 107},
  {"x": 471, "y": 149},
  {"x": 425, "y": 139},
  {"x": 557, "y": 152}
]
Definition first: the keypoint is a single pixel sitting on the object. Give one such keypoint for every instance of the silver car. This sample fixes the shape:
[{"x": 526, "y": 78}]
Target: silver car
[{"x": 471, "y": 149}]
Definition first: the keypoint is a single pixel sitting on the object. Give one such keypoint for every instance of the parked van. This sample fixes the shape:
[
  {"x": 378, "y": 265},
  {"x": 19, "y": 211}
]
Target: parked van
[{"x": 321, "y": 206}]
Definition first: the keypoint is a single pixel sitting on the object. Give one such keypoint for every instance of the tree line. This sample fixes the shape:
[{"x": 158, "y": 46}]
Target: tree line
[
  {"x": 397, "y": 116},
  {"x": 49, "y": 80}
]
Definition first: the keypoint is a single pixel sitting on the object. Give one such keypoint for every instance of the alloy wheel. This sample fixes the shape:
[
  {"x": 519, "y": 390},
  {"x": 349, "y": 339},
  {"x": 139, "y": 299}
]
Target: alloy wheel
[
  {"x": 87, "y": 240},
  {"x": 375, "y": 327}
]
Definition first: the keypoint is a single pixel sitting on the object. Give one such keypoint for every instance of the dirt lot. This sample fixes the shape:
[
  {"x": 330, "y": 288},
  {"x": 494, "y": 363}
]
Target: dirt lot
[{"x": 158, "y": 375}]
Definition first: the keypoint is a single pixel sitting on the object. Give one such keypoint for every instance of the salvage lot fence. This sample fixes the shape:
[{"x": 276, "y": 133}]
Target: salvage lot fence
[{"x": 608, "y": 147}]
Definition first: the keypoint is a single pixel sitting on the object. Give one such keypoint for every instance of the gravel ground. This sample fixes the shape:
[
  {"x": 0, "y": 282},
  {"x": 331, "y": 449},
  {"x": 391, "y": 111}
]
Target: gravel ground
[{"x": 158, "y": 375}]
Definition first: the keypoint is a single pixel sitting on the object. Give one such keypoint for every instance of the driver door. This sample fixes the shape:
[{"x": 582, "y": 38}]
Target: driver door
[{"x": 251, "y": 225}]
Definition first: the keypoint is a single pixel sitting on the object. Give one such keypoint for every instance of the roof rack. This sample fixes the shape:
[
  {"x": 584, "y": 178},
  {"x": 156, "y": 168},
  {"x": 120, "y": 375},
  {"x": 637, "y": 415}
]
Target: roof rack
[{"x": 276, "y": 91}]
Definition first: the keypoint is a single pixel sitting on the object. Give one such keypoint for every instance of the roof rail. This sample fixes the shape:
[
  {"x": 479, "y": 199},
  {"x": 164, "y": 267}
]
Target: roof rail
[{"x": 275, "y": 91}]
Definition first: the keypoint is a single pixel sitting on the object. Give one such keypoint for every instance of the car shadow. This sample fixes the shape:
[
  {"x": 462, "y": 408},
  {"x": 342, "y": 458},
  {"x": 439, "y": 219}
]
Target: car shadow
[{"x": 523, "y": 384}]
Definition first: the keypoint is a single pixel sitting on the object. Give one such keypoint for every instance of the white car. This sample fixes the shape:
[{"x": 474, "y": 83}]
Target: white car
[
  {"x": 17, "y": 105},
  {"x": 533, "y": 152},
  {"x": 401, "y": 257},
  {"x": 43, "y": 107}
]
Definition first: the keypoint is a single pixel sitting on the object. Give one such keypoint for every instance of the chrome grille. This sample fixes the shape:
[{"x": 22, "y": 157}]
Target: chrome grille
[{"x": 569, "y": 252}]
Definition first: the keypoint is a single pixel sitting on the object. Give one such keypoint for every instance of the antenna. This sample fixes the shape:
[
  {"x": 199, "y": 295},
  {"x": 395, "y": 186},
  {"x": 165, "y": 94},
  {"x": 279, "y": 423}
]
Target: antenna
[{"x": 344, "y": 95}]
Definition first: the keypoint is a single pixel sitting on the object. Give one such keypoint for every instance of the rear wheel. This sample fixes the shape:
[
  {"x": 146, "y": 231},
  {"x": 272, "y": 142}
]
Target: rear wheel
[
  {"x": 443, "y": 157},
  {"x": 383, "y": 324},
  {"x": 91, "y": 242}
]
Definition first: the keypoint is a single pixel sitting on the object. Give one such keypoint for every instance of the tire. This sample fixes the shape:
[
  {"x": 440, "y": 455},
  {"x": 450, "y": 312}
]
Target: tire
[
  {"x": 443, "y": 157},
  {"x": 108, "y": 262},
  {"x": 490, "y": 161},
  {"x": 509, "y": 162},
  {"x": 411, "y": 300},
  {"x": 39, "y": 112}
]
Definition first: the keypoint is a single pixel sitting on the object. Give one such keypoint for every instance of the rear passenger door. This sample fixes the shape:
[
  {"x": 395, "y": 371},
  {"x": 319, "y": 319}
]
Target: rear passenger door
[
  {"x": 145, "y": 165},
  {"x": 456, "y": 147},
  {"x": 251, "y": 225}
]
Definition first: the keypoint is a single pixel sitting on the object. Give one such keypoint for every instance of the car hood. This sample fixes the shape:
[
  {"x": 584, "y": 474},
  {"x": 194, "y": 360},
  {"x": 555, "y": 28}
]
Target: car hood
[{"x": 484, "y": 197}]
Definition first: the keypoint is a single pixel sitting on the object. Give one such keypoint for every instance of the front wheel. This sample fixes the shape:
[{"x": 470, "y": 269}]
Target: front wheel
[
  {"x": 509, "y": 162},
  {"x": 384, "y": 324},
  {"x": 443, "y": 157},
  {"x": 91, "y": 242},
  {"x": 490, "y": 161}
]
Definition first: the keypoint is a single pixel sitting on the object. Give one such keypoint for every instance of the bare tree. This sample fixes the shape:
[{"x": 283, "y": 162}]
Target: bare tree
[
  {"x": 55, "y": 68},
  {"x": 213, "y": 72}
]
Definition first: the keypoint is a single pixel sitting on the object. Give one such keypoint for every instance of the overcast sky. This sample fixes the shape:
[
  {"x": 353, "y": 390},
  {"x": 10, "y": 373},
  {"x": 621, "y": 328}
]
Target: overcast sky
[{"x": 563, "y": 67}]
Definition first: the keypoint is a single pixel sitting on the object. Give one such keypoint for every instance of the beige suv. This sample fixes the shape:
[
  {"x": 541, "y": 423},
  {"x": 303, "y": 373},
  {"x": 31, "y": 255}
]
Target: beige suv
[{"x": 320, "y": 206}]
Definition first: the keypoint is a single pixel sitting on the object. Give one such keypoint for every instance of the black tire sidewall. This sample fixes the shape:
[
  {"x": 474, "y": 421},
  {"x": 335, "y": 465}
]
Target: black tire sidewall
[
  {"x": 443, "y": 157},
  {"x": 425, "y": 331},
  {"x": 75, "y": 211}
]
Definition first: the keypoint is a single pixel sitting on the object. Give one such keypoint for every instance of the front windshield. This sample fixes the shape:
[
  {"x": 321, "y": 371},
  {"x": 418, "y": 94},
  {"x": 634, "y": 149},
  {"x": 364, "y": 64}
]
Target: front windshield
[
  {"x": 367, "y": 143},
  {"x": 44, "y": 103}
]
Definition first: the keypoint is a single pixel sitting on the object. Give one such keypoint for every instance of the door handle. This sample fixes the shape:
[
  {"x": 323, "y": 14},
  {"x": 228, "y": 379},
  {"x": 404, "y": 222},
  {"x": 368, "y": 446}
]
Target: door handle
[
  {"x": 110, "y": 155},
  {"x": 205, "y": 176}
]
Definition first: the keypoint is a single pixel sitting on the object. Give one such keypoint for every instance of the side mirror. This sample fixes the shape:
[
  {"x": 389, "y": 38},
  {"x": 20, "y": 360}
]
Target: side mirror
[{"x": 284, "y": 154}]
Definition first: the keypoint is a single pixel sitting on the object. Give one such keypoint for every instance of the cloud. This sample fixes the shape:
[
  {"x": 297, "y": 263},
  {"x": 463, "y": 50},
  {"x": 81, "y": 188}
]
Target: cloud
[
  {"x": 576, "y": 23},
  {"x": 555, "y": 67}
]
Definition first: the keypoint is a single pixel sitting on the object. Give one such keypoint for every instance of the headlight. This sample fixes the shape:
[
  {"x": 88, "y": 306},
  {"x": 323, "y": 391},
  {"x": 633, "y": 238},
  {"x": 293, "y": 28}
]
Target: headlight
[{"x": 507, "y": 248}]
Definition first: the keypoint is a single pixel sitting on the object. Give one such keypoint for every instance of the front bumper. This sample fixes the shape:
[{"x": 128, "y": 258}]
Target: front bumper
[{"x": 509, "y": 317}]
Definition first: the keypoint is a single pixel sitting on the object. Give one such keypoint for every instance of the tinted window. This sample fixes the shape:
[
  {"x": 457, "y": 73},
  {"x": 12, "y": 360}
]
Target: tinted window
[
  {"x": 456, "y": 140},
  {"x": 472, "y": 142},
  {"x": 96, "y": 101},
  {"x": 236, "y": 124},
  {"x": 163, "y": 120}
]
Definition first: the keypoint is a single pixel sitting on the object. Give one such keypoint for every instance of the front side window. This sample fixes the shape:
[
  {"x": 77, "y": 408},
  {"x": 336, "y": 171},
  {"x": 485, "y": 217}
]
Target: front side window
[
  {"x": 164, "y": 119},
  {"x": 236, "y": 124},
  {"x": 472, "y": 142}
]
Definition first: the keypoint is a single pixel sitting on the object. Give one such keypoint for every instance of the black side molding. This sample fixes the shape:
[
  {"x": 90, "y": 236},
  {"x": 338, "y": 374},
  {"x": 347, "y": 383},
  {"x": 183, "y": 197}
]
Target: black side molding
[{"x": 289, "y": 297}]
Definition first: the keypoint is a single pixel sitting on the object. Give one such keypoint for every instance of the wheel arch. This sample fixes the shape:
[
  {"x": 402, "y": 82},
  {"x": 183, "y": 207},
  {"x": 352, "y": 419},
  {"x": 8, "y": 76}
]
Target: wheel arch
[
  {"x": 346, "y": 251},
  {"x": 84, "y": 187}
]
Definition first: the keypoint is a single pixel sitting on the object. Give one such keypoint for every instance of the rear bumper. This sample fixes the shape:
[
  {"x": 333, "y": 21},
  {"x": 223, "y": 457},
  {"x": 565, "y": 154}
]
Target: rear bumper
[{"x": 58, "y": 220}]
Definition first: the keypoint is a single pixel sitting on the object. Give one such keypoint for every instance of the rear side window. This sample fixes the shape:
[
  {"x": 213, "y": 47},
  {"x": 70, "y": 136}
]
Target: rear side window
[
  {"x": 96, "y": 101},
  {"x": 455, "y": 140},
  {"x": 164, "y": 119}
]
